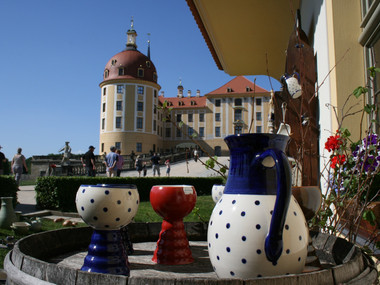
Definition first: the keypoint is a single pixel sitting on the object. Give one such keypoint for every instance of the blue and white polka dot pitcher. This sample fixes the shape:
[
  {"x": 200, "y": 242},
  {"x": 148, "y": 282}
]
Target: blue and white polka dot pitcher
[{"x": 257, "y": 228}]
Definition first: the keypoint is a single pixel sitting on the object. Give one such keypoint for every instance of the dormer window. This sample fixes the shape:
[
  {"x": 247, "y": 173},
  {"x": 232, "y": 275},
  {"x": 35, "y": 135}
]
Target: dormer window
[
  {"x": 180, "y": 103},
  {"x": 248, "y": 89},
  {"x": 229, "y": 89},
  {"x": 121, "y": 71},
  {"x": 140, "y": 72},
  {"x": 106, "y": 73},
  {"x": 193, "y": 103},
  {"x": 148, "y": 64},
  {"x": 155, "y": 77},
  {"x": 113, "y": 62}
]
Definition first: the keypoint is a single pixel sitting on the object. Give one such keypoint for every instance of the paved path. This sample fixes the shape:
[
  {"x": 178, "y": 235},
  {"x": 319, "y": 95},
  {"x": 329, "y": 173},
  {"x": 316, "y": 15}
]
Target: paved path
[{"x": 27, "y": 199}]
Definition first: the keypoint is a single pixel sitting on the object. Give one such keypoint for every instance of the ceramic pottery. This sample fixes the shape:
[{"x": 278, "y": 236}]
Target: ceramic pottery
[
  {"x": 257, "y": 229},
  {"x": 309, "y": 198},
  {"x": 173, "y": 203},
  {"x": 217, "y": 192},
  {"x": 7, "y": 214},
  {"x": 107, "y": 208},
  {"x": 293, "y": 84}
]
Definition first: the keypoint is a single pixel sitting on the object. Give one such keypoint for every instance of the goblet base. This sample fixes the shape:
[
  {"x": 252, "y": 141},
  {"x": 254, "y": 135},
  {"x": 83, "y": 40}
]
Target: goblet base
[
  {"x": 172, "y": 246},
  {"x": 106, "y": 254}
]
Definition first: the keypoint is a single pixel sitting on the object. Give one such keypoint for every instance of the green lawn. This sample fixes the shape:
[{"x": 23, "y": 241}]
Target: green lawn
[{"x": 202, "y": 211}]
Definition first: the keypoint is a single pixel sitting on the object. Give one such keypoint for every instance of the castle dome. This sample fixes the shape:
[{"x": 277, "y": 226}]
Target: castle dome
[{"x": 130, "y": 64}]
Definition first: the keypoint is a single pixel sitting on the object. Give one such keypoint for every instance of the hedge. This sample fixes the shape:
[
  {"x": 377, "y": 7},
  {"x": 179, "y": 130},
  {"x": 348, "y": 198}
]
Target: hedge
[
  {"x": 8, "y": 188},
  {"x": 58, "y": 193}
]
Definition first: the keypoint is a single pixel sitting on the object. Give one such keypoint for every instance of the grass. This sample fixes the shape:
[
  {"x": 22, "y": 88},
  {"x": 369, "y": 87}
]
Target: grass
[{"x": 201, "y": 213}]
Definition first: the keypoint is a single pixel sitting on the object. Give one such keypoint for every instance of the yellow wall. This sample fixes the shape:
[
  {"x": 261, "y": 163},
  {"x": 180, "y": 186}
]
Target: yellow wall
[{"x": 344, "y": 19}]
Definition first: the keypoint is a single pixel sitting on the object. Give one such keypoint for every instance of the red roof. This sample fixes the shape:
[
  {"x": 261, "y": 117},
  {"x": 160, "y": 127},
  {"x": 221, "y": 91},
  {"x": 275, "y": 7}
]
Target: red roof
[
  {"x": 238, "y": 85},
  {"x": 184, "y": 102}
]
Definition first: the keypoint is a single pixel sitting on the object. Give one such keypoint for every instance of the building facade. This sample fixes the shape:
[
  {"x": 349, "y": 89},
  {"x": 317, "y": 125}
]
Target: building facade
[{"x": 132, "y": 117}]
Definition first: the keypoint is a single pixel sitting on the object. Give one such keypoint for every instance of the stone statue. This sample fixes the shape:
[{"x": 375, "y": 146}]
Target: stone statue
[{"x": 66, "y": 153}]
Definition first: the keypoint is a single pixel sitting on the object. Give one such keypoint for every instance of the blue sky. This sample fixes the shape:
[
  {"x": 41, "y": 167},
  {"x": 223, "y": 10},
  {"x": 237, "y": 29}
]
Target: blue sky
[{"x": 52, "y": 57}]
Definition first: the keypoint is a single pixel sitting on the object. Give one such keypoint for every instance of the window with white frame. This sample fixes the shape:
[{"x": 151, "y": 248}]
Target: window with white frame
[
  {"x": 118, "y": 122},
  {"x": 139, "y": 123},
  {"x": 119, "y": 105},
  {"x": 217, "y": 131}
]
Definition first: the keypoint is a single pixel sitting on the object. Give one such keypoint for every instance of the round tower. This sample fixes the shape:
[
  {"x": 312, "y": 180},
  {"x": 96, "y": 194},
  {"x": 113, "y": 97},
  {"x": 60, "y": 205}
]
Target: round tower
[{"x": 129, "y": 96}]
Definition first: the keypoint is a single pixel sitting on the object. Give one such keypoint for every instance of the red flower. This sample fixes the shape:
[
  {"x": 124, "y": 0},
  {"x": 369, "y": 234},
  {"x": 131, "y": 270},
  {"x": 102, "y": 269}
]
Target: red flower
[
  {"x": 337, "y": 159},
  {"x": 333, "y": 143}
]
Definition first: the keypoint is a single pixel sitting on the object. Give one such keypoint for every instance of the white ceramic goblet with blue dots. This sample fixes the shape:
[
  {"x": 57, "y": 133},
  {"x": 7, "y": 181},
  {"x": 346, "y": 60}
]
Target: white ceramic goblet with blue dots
[
  {"x": 107, "y": 208},
  {"x": 217, "y": 192}
]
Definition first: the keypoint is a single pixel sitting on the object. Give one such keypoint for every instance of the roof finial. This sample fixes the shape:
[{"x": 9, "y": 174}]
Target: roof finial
[
  {"x": 131, "y": 34},
  {"x": 148, "y": 46}
]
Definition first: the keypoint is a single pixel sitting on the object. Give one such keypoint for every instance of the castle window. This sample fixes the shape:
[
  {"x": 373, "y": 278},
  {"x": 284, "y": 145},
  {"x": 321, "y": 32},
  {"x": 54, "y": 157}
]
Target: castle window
[
  {"x": 148, "y": 63},
  {"x": 238, "y": 102},
  {"x": 190, "y": 117},
  {"x": 155, "y": 77},
  {"x": 201, "y": 117},
  {"x": 155, "y": 93},
  {"x": 119, "y": 106},
  {"x": 113, "y": 62},
  {"x": 104, "y": 107},
  {"x": 103, "y": 123},
  {"x": 140, "y": 106},
  {"x": 139, "y": 123},
  {"x": 154, "y": 125},
  {"x": 104, "y": 91},
  {"x": 258, "y": 129},
  {"x": 139, "y": 147},
  {"x": 238, "y": 129},
  {"x": 168, "y": 132},
  {"x": 118, "y": 122},
  {"x": 120, "y": 89},
  {"x": 201, "y": 132},
  {"x": 140, "y": 72},
  {"x": 179, "y": 117},
  {"x": 258, "y": 116},
  {"x": 106, "y": 73},
  {"x": 217, "y": 117},
  {"x": 190, "y": 131},
  {"x": 217, "y": 103},
  {"x": 258, "y": 101},
  {"x": 102, "y": 147},
  {"x": 237, "y": 115},
  {"x": 118, "y": 145},
  {"x": 179, "y": 133},
  {"x": 140, "y": 89},
  {"x": 121, "y": 71},
  {"x": 217, "y": 131}
]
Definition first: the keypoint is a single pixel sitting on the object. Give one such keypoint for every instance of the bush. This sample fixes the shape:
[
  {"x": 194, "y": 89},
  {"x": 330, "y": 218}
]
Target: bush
[
  {"x": 8, "y": 188},
  {"x": 58, "y": 193}
]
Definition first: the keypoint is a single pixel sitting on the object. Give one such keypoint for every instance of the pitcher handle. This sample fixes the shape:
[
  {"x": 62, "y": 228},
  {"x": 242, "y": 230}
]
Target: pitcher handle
[{"x": 273, "y": 241}]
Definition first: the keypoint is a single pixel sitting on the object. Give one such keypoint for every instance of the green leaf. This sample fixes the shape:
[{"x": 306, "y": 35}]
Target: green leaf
[
  {"x": 180, "y": 124},
  {"x": 164, "y": 105},
  {"x": 370, "y": 217},
  {"x": 194, "y": 135},
  {"x": 359, "y": 91},
  {"x": 170, "y": 109},
  {"x": 373, "y": 70},
  {"x": 223, "y": 170}
]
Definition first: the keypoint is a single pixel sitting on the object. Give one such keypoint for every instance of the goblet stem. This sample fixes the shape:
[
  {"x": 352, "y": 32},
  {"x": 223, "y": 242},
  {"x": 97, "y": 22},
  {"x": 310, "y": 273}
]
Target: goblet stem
[
  {"x": 106, "y": 254},
  {"x": 172, "y": 246}
]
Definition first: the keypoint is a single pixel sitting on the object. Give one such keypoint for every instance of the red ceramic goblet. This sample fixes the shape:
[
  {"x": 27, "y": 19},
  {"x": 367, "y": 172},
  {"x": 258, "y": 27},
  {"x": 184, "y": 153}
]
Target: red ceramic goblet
[{"x": 173, "y": 203}]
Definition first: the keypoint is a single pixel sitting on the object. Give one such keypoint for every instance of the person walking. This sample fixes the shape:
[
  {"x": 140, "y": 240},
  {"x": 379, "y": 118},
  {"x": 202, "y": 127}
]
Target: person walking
[
  {"x": 156, "y": 164},
  {"x": 120, "y": 162},
  {"x": 111, "y": 160},
  {"x": 17, "y": 165},
  {"x": 3, "y": 160},
  {"x": 139, "y": 164},
  {"x": 88, "y": 161},
  {"x": 144, "y": 169},
  {"x": 167, "y": 163}
]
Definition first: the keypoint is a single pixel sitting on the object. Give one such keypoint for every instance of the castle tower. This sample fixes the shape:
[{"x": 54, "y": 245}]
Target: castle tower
[{"x": 129, "y": 96}]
